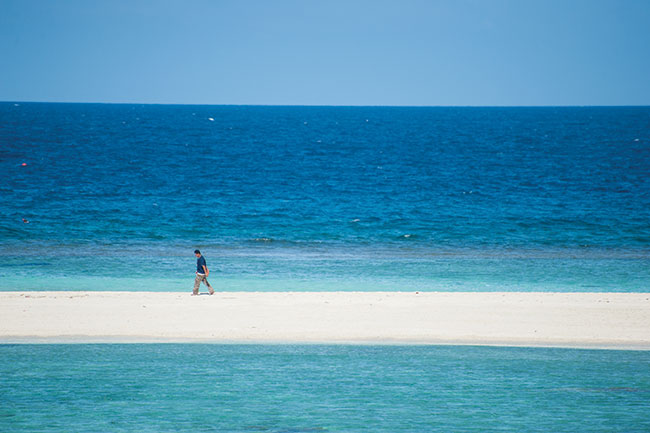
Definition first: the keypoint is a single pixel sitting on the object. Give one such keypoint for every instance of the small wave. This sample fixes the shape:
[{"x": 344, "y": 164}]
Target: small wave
[
  {"x": 10, "y": 229},
  {"x": 263, "y": 240},
  {"x": 286, "y": 430},
  {"x": 608, "y": 389}
]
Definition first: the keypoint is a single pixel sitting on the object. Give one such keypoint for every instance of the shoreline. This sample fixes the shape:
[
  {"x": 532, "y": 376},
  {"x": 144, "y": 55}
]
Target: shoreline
[{"x": 520, "y": 319}]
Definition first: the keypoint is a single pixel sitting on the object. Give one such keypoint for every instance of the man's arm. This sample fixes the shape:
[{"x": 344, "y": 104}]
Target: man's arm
[{"x": 206, "y": 271}]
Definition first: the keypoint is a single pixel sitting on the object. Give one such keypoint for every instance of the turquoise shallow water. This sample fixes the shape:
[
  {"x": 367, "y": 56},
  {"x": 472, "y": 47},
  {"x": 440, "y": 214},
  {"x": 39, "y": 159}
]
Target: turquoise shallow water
[
  {"x": 320, "y": 269},
  {"x": 250, "y": 388}
]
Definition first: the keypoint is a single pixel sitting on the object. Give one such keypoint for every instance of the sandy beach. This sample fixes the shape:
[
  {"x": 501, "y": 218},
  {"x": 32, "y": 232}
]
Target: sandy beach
[{"x": 591, "y": 320}]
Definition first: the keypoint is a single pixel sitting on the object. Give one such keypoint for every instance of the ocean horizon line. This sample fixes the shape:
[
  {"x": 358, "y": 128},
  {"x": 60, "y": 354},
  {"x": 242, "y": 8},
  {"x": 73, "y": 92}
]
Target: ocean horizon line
[{"x": 323, "y": 105}]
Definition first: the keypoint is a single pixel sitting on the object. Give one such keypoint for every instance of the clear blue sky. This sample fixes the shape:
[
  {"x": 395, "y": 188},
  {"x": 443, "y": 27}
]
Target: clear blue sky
[{"x": 330, "y": 52}]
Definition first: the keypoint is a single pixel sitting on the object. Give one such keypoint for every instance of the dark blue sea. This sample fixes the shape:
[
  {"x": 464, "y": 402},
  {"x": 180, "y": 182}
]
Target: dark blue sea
[{"x": 117, "y": 197}]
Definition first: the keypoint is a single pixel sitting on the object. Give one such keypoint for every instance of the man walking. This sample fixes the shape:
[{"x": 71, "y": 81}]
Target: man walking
[{"x": 202, "y": 273}]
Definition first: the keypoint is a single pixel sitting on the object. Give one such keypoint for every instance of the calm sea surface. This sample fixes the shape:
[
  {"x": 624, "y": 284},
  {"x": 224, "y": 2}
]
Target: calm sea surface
[
  {"x": 294, "y": 389},
  {"x": 324, "y": 198},
  {"x": 320, "y": 198}
]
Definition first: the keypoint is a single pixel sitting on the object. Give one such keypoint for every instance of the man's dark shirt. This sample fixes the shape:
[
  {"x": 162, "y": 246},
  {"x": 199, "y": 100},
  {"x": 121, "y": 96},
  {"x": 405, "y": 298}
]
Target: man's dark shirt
[{"x": 200, "y": 262}]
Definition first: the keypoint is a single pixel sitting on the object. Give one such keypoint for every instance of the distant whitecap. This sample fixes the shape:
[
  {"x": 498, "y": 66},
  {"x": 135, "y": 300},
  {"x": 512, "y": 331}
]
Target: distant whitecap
[{"x": 210, "y": 119}]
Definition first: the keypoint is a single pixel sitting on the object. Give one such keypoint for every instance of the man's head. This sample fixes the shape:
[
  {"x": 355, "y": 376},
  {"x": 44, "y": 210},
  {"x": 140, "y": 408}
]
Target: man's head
[{"x": 197, "y": 253}]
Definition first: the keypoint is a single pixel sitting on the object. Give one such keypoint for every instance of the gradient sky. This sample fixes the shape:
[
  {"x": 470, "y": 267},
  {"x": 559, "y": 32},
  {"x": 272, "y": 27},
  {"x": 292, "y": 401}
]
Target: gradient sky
[{"x": 330, "y": 52}]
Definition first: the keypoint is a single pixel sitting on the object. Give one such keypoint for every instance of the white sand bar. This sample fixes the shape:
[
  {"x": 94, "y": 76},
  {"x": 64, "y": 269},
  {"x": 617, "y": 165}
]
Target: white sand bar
[{"x": 598, "y": 320}]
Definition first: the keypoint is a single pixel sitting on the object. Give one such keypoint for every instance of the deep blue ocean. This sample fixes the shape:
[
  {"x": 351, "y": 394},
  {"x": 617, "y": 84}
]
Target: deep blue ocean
[
  {"x": 308, "y": 389},
  {"x": 117, "y": 197}
]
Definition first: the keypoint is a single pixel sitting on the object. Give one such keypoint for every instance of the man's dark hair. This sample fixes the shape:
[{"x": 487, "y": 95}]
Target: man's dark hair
[{"x": 197, "y": 252}]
